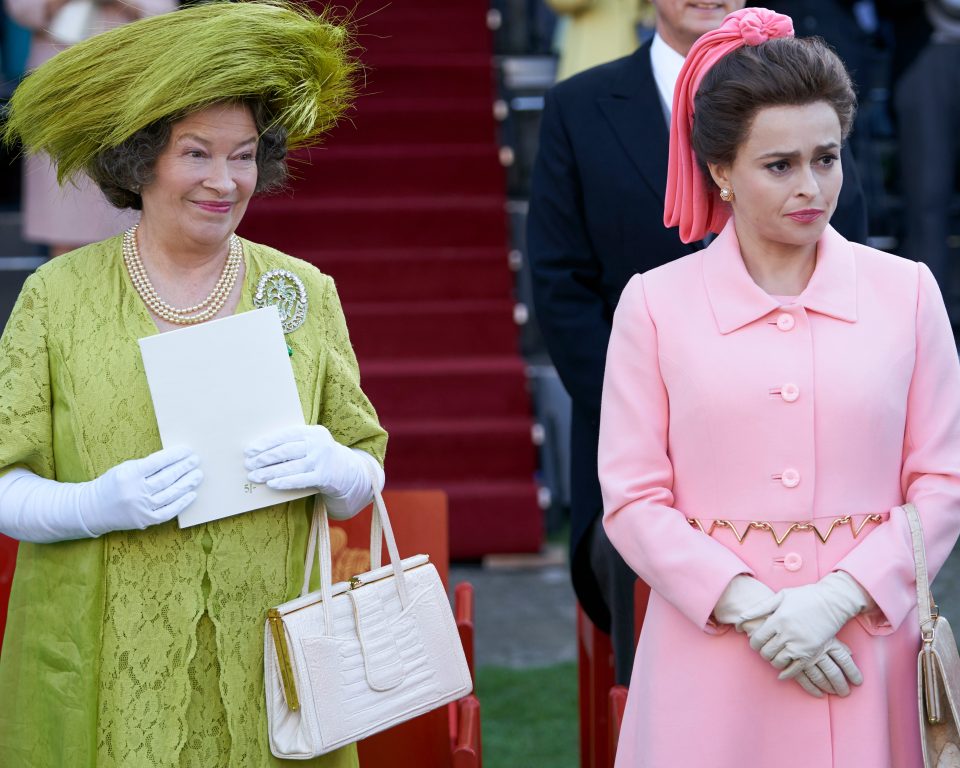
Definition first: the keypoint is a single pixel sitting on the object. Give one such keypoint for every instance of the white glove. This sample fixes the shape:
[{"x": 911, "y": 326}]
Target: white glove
[
  {"x": 131, "y": 496},
  {"x": 742, "y": 593},
  {"x": 828, "y": 673},
  {"x": 309, "y": 458},
  {"x": 802, "y": 620}
]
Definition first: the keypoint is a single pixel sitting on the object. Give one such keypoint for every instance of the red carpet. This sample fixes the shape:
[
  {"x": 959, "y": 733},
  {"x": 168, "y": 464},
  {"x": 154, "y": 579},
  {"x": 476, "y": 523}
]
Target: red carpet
[{"x": 404, "y": 207}]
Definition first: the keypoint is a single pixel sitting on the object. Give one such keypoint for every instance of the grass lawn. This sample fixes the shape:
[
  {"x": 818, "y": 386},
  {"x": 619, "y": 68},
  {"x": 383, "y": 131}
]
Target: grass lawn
[{"x": 529, "y": 716}]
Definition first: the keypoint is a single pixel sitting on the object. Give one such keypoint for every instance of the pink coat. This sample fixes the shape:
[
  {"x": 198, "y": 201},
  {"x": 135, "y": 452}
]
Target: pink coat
[{"x": 720, "y": 402}]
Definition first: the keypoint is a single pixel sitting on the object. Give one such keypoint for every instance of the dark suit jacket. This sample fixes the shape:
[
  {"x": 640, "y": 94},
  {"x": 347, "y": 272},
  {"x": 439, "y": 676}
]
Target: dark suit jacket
[{"x": 596, "y": 219}]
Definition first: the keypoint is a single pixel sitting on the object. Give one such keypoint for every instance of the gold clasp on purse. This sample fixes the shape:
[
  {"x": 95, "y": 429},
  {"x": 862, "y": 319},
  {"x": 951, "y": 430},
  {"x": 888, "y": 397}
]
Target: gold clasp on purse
[
  {"x": 355, "y": 582},
  {"x": 284, "y": 661}
]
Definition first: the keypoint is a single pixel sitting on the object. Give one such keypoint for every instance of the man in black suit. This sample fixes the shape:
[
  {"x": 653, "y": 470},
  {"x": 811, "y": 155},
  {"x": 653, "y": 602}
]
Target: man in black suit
[{"x": 596, "y": 219}]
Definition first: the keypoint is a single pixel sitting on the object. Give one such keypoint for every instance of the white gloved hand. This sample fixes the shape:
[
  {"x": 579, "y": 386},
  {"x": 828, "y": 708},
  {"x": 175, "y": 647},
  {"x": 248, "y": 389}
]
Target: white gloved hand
[
  {"x": 828, "y": 673},
  {"x": 802, "y": 620},
  {"x": 131, "y": 496},
  {"x": 309, "y": 458},
  {"x": 742, "y": 593},
  {"x": 825, "y": 675}
]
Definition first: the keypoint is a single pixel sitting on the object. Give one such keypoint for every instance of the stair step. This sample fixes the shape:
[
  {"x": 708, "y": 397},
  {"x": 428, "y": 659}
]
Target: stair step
[
  {"x": 297, "y": 225},
  {"x": 365, "y": 7},
  {"x": 454, "y": 389},
  {"x": 439, "y": 451},
  {"x": 432, "y": 329},
  {"x": 490, "y": 517},
  {"x": 417, "y": 278},
  {"x": 397, "y": 170},
  {"x": 411, "y": 122},
  {"x": 429, "y": 75},
  {"x": 442, "y": 28}
]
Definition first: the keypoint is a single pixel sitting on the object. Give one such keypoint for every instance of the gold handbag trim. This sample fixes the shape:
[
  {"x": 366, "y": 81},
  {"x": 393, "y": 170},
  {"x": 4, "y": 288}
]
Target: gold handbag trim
[{"x": 283, "y": 659}]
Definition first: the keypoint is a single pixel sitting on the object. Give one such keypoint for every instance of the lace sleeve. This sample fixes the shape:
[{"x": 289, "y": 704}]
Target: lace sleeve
[
  {"x": 25, "y": 396},
  {"x": 345, "y": 409}
]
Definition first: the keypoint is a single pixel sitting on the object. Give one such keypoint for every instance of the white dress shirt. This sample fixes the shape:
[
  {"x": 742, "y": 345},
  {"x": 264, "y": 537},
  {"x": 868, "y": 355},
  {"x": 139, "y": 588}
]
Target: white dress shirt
[{"x": 666, "y": 64}]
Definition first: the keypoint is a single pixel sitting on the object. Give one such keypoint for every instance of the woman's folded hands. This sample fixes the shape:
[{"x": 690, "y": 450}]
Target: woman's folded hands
[
  {"x": 780, "y": 629},
  {"x": 309, "y": 458},
  {"x": 801, "y": 620}
]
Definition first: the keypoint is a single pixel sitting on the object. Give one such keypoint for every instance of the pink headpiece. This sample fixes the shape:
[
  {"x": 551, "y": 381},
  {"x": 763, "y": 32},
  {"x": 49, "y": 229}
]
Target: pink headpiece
[{"x": 690, "y": 204}]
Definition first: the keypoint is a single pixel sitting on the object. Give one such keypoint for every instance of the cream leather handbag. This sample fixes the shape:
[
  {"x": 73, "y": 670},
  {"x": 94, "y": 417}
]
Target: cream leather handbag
[
  {"x": 938, "y": 667},
  {"x": 358, "y": 657}
]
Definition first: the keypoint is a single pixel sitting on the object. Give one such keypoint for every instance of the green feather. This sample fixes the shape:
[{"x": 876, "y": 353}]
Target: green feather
[{"x": 98, "y": 93}]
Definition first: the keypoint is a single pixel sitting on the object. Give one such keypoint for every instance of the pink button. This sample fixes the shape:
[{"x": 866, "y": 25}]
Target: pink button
[
  {"x": 789, "y": 392},
  {"x": 793, "y": 562},
  {"x": 786, "y": 322},
  {"x": 790, "y": 478}
]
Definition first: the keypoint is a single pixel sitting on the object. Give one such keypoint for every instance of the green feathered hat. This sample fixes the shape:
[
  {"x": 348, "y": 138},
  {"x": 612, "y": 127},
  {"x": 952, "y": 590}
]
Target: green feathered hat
[{"x": 100, "y": 92}]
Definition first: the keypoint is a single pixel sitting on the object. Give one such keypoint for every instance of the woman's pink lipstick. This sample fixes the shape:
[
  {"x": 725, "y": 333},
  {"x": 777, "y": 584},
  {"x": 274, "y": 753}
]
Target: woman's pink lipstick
[
  {"x": 806, "y": 216},
  {"x": 213, "y": 207}
]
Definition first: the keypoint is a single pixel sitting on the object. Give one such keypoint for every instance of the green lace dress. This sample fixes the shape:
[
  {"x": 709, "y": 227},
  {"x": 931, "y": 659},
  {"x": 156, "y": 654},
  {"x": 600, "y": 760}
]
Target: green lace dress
[{"x": 145, "y": 648}]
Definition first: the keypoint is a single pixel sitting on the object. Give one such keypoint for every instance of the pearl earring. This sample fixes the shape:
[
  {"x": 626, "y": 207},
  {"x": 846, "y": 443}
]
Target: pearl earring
[{"x": 726, "y": 194}]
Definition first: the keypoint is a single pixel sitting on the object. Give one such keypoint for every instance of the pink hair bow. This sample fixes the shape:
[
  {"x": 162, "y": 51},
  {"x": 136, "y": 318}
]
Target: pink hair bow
[
  {"x": 690, "y": 203},
  {"x": 757, "y": 25}
]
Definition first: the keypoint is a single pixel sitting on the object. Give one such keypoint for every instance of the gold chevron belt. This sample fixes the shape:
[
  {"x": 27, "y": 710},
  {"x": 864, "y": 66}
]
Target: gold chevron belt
[{"x": 822, "y": 529}]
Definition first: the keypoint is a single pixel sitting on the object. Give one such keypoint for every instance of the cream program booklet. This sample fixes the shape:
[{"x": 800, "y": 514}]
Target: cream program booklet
[{"x": 216, "y": 387}]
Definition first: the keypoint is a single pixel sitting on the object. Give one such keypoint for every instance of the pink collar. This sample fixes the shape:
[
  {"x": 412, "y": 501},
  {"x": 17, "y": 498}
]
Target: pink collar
[{"x": 736, "y": 300}]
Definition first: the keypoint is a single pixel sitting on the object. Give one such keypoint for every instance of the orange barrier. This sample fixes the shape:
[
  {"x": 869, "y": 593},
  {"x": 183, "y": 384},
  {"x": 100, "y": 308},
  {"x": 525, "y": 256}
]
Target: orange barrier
[
  {"x": 463, "y": 613},
  {"x": 466, "y": 749},
  {"x": 617, "y": 705},
  {"x": 601, "y": 702},
  {"x": 595, "y": 667},
  {"x": 448, "y": 737}
]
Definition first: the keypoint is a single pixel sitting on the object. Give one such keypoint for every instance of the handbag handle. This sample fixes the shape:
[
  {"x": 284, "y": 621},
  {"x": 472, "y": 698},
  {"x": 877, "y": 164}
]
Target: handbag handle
[
  {"x": 380, "y": 528},
  {"x": 927, "y": 608}
]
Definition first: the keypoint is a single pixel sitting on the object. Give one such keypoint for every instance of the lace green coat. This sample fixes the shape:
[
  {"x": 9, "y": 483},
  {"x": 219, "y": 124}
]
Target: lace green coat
[{"x": 145, "y": 648}]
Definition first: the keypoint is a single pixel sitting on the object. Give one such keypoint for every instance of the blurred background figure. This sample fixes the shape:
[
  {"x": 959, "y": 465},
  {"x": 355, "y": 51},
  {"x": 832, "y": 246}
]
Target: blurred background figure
[
  {"x": 595, "y": 32},
  {"x": 925, "y": 73},
  {"x": 63, "y": 218},
  {"x": 835, "y": 21}
]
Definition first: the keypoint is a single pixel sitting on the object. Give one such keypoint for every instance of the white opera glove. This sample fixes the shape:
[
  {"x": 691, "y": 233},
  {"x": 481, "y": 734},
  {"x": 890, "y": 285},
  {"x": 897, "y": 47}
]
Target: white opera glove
[
  {"x": 802, "y": 620},
  {"x": 131, "y": 496},
  {"x": 309, "y": 458}
]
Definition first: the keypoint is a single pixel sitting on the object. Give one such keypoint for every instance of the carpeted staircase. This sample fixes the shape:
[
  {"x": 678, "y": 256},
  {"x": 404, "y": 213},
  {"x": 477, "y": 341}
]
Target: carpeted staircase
[{"x": 405, "y": 209}]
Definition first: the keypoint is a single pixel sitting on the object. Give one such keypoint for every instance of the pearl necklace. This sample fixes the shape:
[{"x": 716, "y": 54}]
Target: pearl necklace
[{"x": 198, "y": 313}]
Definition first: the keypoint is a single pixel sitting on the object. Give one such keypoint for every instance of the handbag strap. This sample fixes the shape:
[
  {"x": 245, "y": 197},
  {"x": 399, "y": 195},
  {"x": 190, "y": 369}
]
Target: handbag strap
[
  {"x": 927, "y": 608},
  {"x": 320, "y": 536}
]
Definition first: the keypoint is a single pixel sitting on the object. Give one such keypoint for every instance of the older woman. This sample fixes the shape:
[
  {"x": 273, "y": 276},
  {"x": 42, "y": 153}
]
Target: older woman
[
  {"x": 769, "y": 404},
  {"x": 130, "y": 641}
]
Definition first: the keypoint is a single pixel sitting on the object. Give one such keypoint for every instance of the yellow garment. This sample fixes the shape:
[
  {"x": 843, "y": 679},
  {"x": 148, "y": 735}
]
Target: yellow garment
[
  {"x": 144, "y": 649},
  {"x": 598, "y": 31}
]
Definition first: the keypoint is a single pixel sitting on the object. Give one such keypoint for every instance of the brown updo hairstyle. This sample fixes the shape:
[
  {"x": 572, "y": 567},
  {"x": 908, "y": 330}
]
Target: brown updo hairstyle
[
  {"x": 122, "y": 171},
  {"x": 781, "y": 72}
]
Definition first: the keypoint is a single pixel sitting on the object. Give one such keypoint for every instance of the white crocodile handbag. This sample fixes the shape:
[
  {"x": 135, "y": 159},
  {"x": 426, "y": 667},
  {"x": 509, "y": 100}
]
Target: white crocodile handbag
[
  {"x": 938, "y": 667},
  {"x": 358, "y": 657}
]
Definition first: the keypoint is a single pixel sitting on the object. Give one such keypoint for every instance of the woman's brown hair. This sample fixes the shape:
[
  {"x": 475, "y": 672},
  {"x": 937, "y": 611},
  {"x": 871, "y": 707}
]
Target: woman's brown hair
[{"x": 785, "y": 71}]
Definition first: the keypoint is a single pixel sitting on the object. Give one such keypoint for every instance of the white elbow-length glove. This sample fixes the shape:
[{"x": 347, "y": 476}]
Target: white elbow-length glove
[
  {"x": 827, "y": 673},
  {"x": 131, "y": 496},
  {"x": 309, "y": 458},
  {"x": 800, "y": 621}
]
